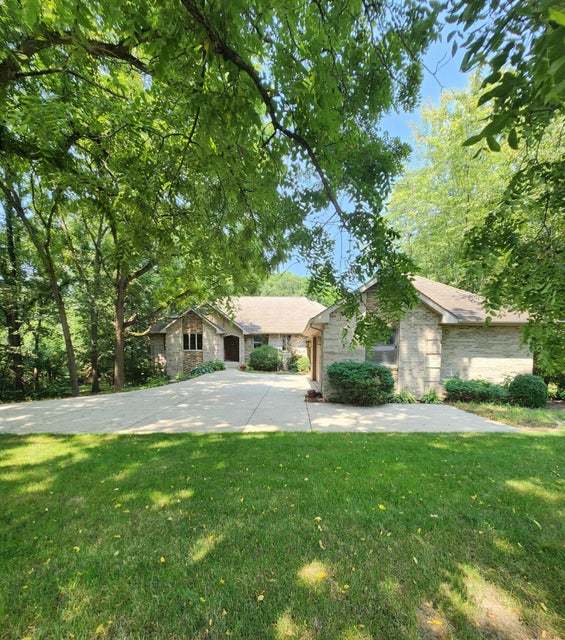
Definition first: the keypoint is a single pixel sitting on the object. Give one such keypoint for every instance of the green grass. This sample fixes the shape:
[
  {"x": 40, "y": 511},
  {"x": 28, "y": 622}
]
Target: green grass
[
  {"x": 312, "y": 536},
  {"x": 518, "y": 416}
]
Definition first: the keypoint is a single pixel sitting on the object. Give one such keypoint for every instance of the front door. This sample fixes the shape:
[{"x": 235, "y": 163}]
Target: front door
[{"x": 231, "y": 348}]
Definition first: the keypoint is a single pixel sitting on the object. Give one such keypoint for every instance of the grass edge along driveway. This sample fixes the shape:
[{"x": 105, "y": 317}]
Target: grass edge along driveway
[{"x": 285, "y": 535}]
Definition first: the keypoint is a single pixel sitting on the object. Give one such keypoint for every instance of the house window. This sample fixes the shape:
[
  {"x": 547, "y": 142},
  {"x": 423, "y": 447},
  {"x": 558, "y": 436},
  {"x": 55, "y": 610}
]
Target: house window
[
  {"x": 385, "y": 352},
  {"x": 192, "y": 341},
  {"x": 286, "y": 343},
  {"x": 260, "y": 340}
]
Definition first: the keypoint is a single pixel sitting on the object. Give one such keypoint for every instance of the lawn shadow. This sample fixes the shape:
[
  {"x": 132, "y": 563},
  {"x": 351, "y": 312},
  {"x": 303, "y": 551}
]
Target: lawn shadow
[{"x": 286, "y": 535}]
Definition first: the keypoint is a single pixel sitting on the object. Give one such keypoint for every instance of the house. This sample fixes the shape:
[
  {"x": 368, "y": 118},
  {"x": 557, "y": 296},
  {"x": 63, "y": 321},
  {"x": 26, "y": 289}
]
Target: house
[
  {"x": 445, "y": 335},
  {"x": 181, "y": 342}
]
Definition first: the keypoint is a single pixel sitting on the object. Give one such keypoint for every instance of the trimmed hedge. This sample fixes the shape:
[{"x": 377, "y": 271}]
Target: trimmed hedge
[
  {"x": 528, "y": 390},
  {"x": 265, "y": 358},
  {"x": 360, "y": 383},
  {"x": 475, "y": 391}
]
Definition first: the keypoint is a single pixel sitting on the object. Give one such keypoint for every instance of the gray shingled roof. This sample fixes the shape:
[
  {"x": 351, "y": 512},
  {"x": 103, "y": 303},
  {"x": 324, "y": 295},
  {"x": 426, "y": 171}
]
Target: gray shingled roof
[
  {"x": 274, "y": 314},
  {"x": 465, "y": 306}
]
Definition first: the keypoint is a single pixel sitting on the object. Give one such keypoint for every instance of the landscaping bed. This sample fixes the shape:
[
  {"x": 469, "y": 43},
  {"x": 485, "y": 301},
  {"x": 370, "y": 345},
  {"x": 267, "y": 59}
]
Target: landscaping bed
[{"x": 312, "y": 536}]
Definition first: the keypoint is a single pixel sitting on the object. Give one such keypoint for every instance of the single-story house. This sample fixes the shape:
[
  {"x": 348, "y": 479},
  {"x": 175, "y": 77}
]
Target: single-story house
[
  {"x": 445, "y": 335},
  {"x": 181, "y": 342}
]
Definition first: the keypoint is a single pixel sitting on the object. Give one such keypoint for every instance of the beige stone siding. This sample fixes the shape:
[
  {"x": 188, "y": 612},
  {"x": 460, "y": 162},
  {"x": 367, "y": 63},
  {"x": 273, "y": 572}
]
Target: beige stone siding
[
  {"x": 335, "y": 346},
  {"x": 174, "y": 348},
  {"x": 157, "y": 346},
  {"x": 490, "y": 353},
  {"x": 419, "y": 351}
]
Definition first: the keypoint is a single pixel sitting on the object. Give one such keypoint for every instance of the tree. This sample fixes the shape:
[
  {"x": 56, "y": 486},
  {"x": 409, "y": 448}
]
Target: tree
[
  {"x": 284, "y": 284},
  {"x": 520, "y": 245},
  {"x": 450, "y": 190},
  {"x": 480, "y": 222},
  {"x": 244, "y": 121}
]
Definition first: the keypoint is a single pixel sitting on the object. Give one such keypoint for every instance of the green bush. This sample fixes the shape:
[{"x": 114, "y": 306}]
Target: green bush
[
  {"x": 474, "y": 391},
  {"x": 299, "y": 363},
  {"x": 528, "y": 390},
  {"x": 430, "y": 397},
  {"x": 206, "y": 367},
  {"x": 554, "y": 392},
  {"x": 265, "y": 358},
  {"x": 403, "y": 397},
  {"x": 360, "y": 383}
]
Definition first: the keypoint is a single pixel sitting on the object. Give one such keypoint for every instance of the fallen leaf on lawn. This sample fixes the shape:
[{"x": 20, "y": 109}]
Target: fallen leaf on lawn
[
  {"x": 321, "y": 545},
  {"x": 260, "y": 597},
  {"x": 162, "y": 560},
  {"x": 537, "y": 523},
  {"x": 318, "y": 519},
  {"x": 415, "y": 559},
  {"x": 76, "y": 549},
  {"x": 382, "y": 507}
]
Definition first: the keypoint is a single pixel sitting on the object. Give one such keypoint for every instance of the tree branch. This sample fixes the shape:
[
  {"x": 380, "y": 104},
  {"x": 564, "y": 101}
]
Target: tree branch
[{"x": 229, "y": 54}]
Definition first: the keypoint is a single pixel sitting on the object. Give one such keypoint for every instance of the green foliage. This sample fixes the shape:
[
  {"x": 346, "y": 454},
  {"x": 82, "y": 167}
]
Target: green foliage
[
  {"x": 301, "y": 364},
  {"x": 528, "y": 390},
  {"x": 431, "y": 397},
  {"x": 518, "y": 248},
  {"x": 203, "y": 140},
  {"x": 456, "y": 189},
  {"x": 403, "y": 397},
  {"x": 554, "y": 392},
  {"x": 474, "y": 391},
  {"x": 265, "y": 358},
  {"x": 360, "y": 383},
  {"x": 284, "y": 284}
]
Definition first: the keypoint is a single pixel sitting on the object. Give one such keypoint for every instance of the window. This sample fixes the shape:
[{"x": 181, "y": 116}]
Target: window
[
  {"x": 385, "y": 352},
  {"x": 260, "y": 340},
  {"x": 192, "y": 341},
  {"x": 286, "y": 343}
]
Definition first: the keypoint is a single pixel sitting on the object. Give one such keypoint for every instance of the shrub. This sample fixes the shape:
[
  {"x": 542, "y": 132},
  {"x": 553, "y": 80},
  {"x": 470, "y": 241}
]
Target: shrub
[
  {"x": 430, "y": 397},
  {"x": 528, "y": 390},
  {"x": 554, "y": 392},
  {"x": 403, "y": 397},
  {"x": 299, "y": 363},
  {"x": 361, "y": 383},
  {"x": 265, "y": 358},
  {"x": 474, "y": 391}
]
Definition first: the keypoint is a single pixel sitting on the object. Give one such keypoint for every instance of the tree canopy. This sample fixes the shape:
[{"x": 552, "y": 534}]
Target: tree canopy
[{"x": 193, "y": 144}]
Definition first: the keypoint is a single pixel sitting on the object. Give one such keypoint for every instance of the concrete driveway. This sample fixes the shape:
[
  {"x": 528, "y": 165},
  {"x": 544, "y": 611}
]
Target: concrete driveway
[{"x": 229, "y": 401}]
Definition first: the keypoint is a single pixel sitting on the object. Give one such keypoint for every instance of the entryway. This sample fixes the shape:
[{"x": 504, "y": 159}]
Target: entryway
[{"x": 231, "y": 349}]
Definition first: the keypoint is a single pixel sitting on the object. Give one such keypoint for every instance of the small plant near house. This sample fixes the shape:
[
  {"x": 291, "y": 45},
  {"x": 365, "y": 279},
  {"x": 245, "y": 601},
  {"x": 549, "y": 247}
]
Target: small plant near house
[
  {"x": 243, "y": 367},
  {"x": 301, "y": 364},
  {"x": 528, "y": 390},
  {"x": 431, "y": 397},
  {"x": 206, "y": 367},
  {"x": 403, "y": 397},
  {"x": 360, "y": 383},
  {"x": 265, "y": 358},
  {"x": 554, "y": 392},
  {"x": 474, "y": 391}
]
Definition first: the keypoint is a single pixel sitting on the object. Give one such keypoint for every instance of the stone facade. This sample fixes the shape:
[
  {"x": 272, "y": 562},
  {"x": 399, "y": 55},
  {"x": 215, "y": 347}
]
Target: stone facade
[
  {"x": 429, "y": 351},
  {"x": 336, "y": 346},
  {"x": 419, "y": 351},
  {"x": 490, "y": 353}
]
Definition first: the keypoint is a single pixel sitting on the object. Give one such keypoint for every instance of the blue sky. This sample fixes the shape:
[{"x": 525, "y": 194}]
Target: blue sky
[{"x": 441, "y": 73}]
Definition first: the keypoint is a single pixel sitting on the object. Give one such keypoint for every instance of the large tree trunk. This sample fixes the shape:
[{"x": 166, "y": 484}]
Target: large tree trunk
[
  {"x": 60, "y": 303},
  {"x": 12, "y": 305},
  {"x": 45, "y": 255},
  {"x": 120, "y": 332},
  {"x": 94, "y": 354}
]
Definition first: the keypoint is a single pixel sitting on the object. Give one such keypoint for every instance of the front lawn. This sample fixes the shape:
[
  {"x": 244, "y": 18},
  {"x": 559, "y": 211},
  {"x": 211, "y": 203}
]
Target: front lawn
[
  {"x": 549, "y": 418},
  {"x": 311, "y": 536}
]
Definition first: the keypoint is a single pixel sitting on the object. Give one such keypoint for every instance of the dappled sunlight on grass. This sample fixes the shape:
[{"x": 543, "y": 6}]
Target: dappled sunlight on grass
[
  {"x": 305, "y": 536},
  {"x": 492, "y": 609},
  {"x": 536, "y": 490},
  {"x": 432, "y": 623},
  {"x": 287, "y": 629},
  {"x": 313, "y": 574},
  {"x": 204, "y": 545}
]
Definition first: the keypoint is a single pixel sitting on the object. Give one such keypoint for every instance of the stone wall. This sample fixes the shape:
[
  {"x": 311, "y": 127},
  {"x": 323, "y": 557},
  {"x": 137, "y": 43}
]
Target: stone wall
[
  {"x": 419, "y": 351},
  {"x": 335, "y": 346},
  {"x": 490, "y": 353},
  {"x": 174, "y": 351},
  {"x": 157, "y": 350}
]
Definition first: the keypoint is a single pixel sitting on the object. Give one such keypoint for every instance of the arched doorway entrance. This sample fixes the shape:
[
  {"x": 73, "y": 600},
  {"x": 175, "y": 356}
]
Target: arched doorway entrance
[{"x": 231, "y": 348}]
